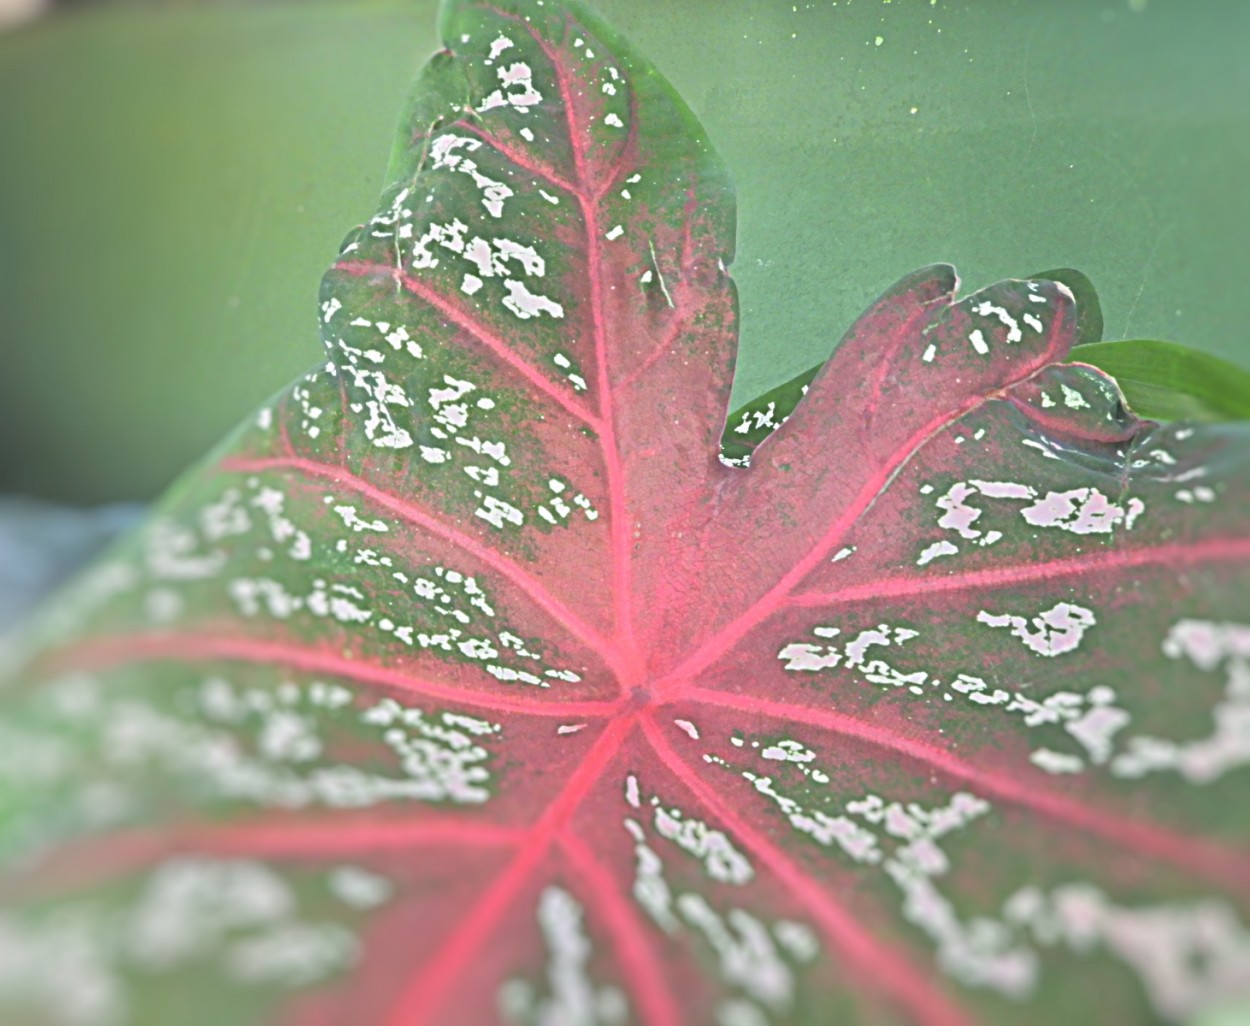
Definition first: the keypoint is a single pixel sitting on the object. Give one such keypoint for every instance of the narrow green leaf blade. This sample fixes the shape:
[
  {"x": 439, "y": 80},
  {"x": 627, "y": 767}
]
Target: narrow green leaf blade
[{"x": 1166, "y": 381}]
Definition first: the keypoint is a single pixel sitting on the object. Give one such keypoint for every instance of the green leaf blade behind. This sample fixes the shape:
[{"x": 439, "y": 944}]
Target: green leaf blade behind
[{"x": 1166, "y": 381}]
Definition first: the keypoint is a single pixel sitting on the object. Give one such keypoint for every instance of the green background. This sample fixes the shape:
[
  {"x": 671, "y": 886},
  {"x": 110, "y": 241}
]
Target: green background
[{"x": 175, "y": 178}]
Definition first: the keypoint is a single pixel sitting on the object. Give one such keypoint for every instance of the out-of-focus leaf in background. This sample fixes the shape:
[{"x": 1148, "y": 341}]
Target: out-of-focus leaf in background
[
  {"x": 168, "y": 195},
  {"x": 14, "y": 12},
  {"x": 42, "y": 544},
  {"x": 167, "y": 202}
]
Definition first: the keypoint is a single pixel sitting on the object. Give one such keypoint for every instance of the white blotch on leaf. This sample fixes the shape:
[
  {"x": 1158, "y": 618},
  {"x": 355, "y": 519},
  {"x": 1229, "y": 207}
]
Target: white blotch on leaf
[
  {"x": 854, "y": 654},
  {"x": 516, "y": 89},
  {"x": 451, "y": 152},
  {"x": 720, "y": 858},
  {"x": 359, "y": 888},
  {"x": 526, "y": 304},
  {"x": 751, "y": 957},
  {"x": 498, "y": 46},
  {"x": 572, "y": 997},
  {"x": 1209, "y": 646},
  {"x": 747, "y": 953},
  {"x": 828, "y": 830},
  {"x": 1082, "y": 511},
  {"x": 1077, "y": 511},
  {"x": 1189, "y": 956},
  {"x": 1056, "y": 762},
  {"x": 1052, "y": 632},
  {"x": 988, "y": 309},
  {"x": 171, "y": 552}
]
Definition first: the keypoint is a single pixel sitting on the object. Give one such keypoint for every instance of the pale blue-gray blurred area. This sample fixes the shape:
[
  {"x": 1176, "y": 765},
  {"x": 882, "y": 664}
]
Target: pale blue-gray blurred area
[
  {"x": 43, "y": 543},
  {"x": 175, "y": 176}
]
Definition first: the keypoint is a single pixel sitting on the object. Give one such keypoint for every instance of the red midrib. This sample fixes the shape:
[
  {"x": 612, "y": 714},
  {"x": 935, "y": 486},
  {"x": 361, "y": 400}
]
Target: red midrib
[
  {"x": 535, "y": 591},
  {"x": 81, "y": 865},
  {"x": 105, "y": 652},
  {"x": 466, "y": 322},
  {"x": 871, "y": 960},
  {"x": 422, "y": 1003},
  {"x": 772, "y": 600},
  {"x": 588, "y": 203},
  {"x": 604, "y": 424},
  {"x": 651, "y": 990},
  {"x": 1226, "y": 866},
  {"x": 1210, "y": 551}
]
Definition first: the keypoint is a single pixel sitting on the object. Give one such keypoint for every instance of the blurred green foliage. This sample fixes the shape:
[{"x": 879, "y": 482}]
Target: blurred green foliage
[{"x": 176, "y": 179}]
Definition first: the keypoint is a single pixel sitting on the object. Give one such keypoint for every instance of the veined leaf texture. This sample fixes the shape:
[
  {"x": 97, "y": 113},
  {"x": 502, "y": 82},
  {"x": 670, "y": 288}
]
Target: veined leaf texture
[{"x": 467, "y": 683}]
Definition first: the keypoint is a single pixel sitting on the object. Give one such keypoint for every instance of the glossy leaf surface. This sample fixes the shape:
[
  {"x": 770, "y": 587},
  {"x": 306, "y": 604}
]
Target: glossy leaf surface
[{"x": 468, "y": 684}]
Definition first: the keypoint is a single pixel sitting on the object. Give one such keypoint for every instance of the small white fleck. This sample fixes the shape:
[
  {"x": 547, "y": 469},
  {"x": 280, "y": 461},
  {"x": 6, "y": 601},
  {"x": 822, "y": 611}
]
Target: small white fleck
[
  {"x": 941, "y": 548},
  {"x": 631, "y": 791},
  {"x": 1056, "y": 762},
  {"x": 500, "y": 44}
]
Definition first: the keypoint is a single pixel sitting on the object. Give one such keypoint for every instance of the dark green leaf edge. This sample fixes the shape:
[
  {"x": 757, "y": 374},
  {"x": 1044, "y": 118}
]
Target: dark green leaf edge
[{"x": 1089, "y": 322}]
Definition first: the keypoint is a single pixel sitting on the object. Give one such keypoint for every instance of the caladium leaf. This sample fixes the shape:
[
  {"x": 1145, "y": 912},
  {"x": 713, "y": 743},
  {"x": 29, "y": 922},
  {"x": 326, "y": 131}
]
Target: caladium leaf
[
  {"x": 467, "y": 684},
  {"x": 1159, "y": 380},
  {"x": 754, "y": 421}
]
